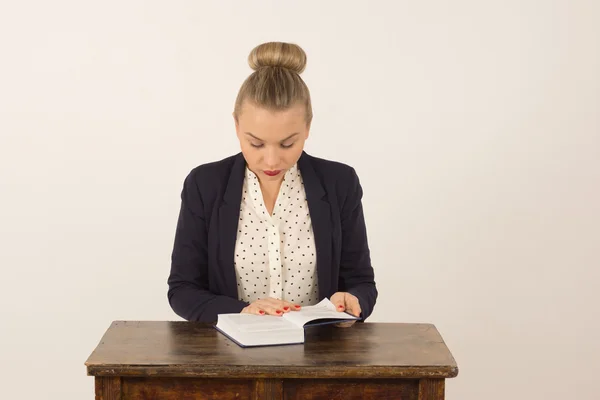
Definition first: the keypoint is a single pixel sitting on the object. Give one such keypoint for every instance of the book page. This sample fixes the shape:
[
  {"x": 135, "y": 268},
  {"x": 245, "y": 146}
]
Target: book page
[
  {"x": 324, "y": 310},
  {"x": 258, "y": 323}
]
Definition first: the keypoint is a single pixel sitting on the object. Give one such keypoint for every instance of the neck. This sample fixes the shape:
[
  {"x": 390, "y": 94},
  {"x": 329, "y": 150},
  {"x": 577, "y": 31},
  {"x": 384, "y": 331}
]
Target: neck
[{"x": 270, "y": 186}]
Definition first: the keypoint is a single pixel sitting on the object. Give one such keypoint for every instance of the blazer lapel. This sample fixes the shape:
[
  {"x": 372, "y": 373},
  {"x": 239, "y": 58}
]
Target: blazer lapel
[
  {"x": 229, "y": 214},
  {"x": 320, "y": 215}
]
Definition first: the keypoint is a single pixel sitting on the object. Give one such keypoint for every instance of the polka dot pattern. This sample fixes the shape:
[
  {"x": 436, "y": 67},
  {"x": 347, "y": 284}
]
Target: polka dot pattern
[{"x": 275, "y": 254}]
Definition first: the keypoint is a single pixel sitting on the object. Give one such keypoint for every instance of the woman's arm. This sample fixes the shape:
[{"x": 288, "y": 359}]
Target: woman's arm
[
  {"x": 188, "y": 291},
  {"x": 356, "y": 273}
]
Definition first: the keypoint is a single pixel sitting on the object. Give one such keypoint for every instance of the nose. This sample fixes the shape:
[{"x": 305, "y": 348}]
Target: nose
[{"x": 272, "y": 158}]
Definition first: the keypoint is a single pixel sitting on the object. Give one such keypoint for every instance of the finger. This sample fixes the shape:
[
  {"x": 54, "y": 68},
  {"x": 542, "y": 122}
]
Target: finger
[
  {"x": 273, "y": 310},
  {"x": 338, "y": 302},
  {"x": 282, "y": 305},
  {"x": 258, "y": 311},
  {"x": 273, "y": 302},
  {"x": 353, "y": 306},
  {"x": 269, "y": 306},
  {"x": 337, "y": 299},
  {"x": 252, "y": 309},
  {"x": 288, "y": 306}
]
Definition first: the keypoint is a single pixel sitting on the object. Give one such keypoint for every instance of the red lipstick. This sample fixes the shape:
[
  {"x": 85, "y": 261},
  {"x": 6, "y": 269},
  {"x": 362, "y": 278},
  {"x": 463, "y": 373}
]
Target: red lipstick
[{"x": 272, "y": 173}]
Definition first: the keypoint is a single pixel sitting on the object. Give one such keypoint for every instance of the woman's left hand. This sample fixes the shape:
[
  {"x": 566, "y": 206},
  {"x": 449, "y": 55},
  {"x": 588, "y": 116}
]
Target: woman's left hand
[{"x": 344, "y": 301}]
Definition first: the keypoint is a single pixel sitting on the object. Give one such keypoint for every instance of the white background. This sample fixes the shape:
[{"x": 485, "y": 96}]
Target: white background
[{"x": 473, "y": 125}]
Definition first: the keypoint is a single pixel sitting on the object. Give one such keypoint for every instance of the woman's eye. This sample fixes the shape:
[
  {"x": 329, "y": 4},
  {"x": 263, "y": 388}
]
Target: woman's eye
[{"x": 259, "y": 145}]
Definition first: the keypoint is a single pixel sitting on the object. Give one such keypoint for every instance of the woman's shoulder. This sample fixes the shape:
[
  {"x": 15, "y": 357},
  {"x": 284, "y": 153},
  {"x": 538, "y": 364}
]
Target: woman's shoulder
[
  {"x": 216, "y": 166},
  {"x": 209, "y": 180},
  {"x": 215, "y": 169},
  {"x": 332, "y": 169},
  {"x": 336, "y": 177}
]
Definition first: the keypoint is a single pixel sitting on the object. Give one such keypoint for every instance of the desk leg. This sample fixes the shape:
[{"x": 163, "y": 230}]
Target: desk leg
[
  {"x": 268, "y": 389},
  {"x": 431, "y": 389},
  {"x": 107, "y": 387}
]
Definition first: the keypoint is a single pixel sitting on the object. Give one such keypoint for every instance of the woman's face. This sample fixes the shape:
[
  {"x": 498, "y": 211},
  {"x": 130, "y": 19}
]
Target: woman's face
[{"x": 271, "y": 141}]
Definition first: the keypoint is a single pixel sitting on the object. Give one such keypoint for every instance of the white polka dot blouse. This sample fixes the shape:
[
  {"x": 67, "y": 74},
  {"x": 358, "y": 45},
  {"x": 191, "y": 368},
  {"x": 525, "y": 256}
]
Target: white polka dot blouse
[{"x": 275, "y": 254}]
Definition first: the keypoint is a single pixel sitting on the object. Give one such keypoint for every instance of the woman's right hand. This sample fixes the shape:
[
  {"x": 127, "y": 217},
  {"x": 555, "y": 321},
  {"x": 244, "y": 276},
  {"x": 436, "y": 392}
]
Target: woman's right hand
[{"x": 270, "y": 306}]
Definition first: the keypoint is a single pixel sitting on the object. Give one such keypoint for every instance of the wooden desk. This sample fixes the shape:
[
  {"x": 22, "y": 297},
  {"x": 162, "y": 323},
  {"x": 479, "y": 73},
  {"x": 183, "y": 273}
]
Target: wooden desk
[{"x": 185, "y": 360}]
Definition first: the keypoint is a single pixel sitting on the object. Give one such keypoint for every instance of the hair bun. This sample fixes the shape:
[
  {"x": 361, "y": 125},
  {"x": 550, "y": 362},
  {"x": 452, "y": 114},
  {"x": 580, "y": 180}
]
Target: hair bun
[{"x": 278, "y": 54}]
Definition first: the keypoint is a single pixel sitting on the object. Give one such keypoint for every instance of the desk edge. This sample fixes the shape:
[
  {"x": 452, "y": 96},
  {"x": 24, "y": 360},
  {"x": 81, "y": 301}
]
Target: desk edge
[{"x": 241, "y": 372}]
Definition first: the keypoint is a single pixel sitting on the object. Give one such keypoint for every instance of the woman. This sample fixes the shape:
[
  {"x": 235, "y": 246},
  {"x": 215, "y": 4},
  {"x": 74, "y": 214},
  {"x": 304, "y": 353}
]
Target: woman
[{"x": 272, "y": 228}]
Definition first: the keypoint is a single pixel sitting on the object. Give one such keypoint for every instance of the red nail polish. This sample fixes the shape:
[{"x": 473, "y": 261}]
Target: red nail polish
[
  {"x": 286, "y": 308},
  {"x": 340, "y": 306},
  {"x": 297, "y": 306},
  {"x": 261, "y": 312},
  {"x": 278, "y": 311}
]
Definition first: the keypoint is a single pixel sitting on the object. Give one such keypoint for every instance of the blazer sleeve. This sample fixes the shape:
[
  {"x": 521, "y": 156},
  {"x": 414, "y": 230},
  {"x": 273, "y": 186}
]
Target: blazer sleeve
[
  {"x": 189, "y": 294},
  {"x": 356, "y": 273}
]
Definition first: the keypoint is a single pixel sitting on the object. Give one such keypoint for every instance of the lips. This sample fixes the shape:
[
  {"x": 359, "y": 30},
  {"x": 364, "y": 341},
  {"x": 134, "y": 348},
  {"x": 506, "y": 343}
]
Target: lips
[{"x": 272, "y": 173}]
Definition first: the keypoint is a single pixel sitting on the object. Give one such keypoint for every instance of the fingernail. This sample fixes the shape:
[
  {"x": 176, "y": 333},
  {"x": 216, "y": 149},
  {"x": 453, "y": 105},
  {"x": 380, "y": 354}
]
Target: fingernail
[
  {"x": 286, "y": 308},
  {"x": 261, "y": 312},
  {"x": 297, "y": 306},
  {"x": 340, "y": 306},
  {"x": 278, "y": 311}
]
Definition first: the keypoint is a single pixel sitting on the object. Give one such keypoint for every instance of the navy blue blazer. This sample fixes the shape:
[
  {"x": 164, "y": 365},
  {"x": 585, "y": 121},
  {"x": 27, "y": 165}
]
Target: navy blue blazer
[{"x": 202, "y": 282}]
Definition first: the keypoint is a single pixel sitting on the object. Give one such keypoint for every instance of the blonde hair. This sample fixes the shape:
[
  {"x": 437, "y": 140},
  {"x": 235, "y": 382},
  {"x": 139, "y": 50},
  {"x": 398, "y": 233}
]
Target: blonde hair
[{"x": 275, "y": 83}]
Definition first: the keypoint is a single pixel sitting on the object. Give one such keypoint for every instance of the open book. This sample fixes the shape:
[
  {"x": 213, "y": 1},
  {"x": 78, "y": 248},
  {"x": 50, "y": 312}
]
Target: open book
[{"x": 266, "y": 330}]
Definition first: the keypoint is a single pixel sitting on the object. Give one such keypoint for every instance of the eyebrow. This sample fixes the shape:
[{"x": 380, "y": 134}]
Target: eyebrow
[{"x": 289, "y": 137}]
